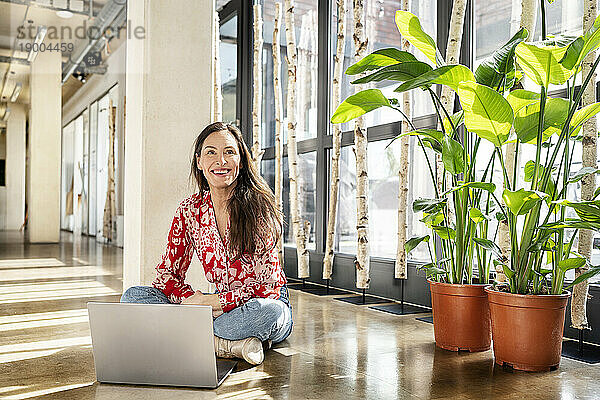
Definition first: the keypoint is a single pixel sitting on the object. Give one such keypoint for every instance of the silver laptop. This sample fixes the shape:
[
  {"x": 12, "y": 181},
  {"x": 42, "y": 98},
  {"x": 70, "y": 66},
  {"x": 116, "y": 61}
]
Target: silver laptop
[{"x": 155, "y": 344}]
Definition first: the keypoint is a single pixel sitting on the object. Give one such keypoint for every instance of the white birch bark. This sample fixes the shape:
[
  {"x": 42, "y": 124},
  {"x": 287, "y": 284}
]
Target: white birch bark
[
  {"x": 217, "y": 99},
  {"x": 278, "y": 119},
  {"x": 588, "y": 184},
  {"x": 257, "y": 92},
  {"x": 336, "y": 93},
  {"x": 362, "y": 261},
  {"x": 303, "y": 73},
  {"x": 528, "y": 14},
  {"x": 400, "y": 266},
  {"x": 457, "y": 20},
  {"x": 314, "y": 59},
  {"x": 300, "y": 233}
]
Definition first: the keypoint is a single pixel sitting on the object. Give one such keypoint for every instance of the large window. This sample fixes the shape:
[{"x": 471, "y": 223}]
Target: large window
[
  {"x": 306, "y": 24},
  {"x": 313, "y": 165},
  {"x": 382, "y": 32}
]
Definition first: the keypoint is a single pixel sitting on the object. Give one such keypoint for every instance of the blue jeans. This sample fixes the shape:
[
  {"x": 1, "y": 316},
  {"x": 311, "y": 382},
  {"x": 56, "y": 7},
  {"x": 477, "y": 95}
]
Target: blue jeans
[{"x": 266, "y": 319}]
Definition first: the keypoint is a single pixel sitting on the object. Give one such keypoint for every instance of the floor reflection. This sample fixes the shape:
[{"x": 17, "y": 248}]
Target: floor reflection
[{"x": 336, "y": 351}]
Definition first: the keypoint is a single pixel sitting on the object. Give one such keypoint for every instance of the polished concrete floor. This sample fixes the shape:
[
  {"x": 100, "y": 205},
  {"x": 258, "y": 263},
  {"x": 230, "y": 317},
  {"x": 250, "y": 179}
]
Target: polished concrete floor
[{"x": 336, "y": 351}]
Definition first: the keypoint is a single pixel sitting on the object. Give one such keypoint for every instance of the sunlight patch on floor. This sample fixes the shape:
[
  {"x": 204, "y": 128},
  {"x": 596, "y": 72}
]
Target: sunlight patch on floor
[
  {"x": 245, "y": 376},
  {"x": 56, "y": 272},
  {"x": 50, "y": 286},
  {"x": 246, "y": 394},
  {"x": 46, "y": 344},
  {"x": 30, "y": 263},
  {"x": 43, "y": 392},
  {"x": 44, "y": 320},
  {"x": 56, "y": 295}
]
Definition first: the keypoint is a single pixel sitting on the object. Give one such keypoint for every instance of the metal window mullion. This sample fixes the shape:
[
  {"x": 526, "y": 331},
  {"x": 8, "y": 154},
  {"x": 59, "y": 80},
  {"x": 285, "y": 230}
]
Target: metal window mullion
[{"x": 323, "y": 125}]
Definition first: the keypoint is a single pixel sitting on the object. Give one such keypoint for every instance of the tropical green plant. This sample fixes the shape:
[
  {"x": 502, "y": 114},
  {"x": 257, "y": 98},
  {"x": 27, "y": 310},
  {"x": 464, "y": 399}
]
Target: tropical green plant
[
  {"x": 461, "y": 213},
  {"x": 541, "y": 234}
]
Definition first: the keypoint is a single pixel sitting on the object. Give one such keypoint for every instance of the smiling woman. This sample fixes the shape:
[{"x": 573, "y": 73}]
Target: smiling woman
[{"x": 233, "y": 225}]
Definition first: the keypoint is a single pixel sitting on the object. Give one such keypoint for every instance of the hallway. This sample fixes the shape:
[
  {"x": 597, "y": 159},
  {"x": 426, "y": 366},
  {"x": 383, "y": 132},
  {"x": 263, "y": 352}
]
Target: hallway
[{"x": 354, "y": 352}]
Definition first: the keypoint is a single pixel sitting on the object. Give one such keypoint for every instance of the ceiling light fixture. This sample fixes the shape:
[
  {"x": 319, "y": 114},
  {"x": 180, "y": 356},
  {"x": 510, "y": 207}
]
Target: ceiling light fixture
[
  {"x": 16, "y": 92},
  {"x": 65, "y": 14},
  {"x": 35, "y": 47},
  {"x": 6, "y": 114}
]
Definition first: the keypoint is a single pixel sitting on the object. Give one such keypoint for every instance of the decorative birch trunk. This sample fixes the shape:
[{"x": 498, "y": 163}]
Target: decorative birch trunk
[
  {"x": 400, "y": 266},
  {"x": 457, "y": 20},
  {"x": 362, "y": 261},
  {"x": 300, "y": 232},
  {"x": 588, "y": 183},
  {"x": 257, "y": 98},
  {"x": 110, "y": 209},
  {"x": 527, "y": 21},
  {"x": 278, "y": 119},
  {"x": 217, "y": 99},
  {"x": 336, "y": 93}
]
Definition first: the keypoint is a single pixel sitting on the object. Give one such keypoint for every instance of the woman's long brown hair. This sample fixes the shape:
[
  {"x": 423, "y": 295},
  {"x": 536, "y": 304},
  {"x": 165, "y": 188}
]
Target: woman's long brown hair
[{"x": 252, "y": 206}]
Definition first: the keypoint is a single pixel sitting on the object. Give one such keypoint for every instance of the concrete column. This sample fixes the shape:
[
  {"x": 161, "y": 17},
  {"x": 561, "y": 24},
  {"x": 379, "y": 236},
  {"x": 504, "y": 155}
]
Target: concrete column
[
  {"x": 45, "y": 148},
  {"x": 15, "y": 167},
  {"x": 168, "y": 94}
]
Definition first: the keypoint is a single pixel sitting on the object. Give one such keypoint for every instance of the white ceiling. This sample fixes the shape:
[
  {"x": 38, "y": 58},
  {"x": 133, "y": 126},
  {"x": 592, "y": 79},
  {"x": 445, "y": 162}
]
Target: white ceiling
[{"x": 15, "y": 20}]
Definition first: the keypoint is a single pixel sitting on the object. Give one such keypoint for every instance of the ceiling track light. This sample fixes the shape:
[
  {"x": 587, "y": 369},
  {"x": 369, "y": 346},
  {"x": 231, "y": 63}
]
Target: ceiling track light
[
  {"x": 6, "y": 114},
  {"x": 16, "y": 92},
  {"x": 35, "y": 47}
]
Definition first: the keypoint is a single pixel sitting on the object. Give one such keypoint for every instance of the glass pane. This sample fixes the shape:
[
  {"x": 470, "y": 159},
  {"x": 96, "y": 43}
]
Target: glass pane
[
  {"x": 494, "y": 22},
  {"x": 382, "y": 32},
  {"x": 306, "y": 24},
  {"x": 228, "y": 60},
  {"x": 383, "y": 199},
  {"x": 307, "y": 164}
]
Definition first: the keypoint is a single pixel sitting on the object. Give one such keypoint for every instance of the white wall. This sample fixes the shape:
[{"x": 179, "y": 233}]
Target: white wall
[
  {"x": 3, "y": 210},
  {"x": 96, "y": 87},
  {"x": 15, "y": 167}
]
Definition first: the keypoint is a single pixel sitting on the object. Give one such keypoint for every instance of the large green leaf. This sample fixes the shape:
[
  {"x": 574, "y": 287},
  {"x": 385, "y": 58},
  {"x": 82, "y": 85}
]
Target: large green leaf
[
  {"x": 542, "y": 63},
  {"x": 432, "y": 219},
  {"x": 476, "y": 215},
  {"x": 453, "y": 156},
  {"x": 380, "y": 58},
  {"x": 571, "y": 224},
  {"x": 521, "y": 201},
  {"x": 487, "y": 113},
  {"x": 414, "y": 242},
  {"x": 582, "y": 46},
  {"x": 430, "y": 137},
  {"x": 449, "y": 75},
  {"x": 489, "y": 245},
  {"x": 500, "y": 63},
  {"x": 359, "y": 104},
  {"x": 487, "y": 186},
  {"x": 588, "y": 211},
  {"x": 527, "y": 119},
  {"x": 444, "y": 232},
  {"x": 397, "y": 72},
  {"x": 410, "y": 28},
  {"x": 529, "y": 170},
  {"x": 520, "y": 98},
  {"x": 428, "y": 205},
  {"x": 585, "y": 276},
  {"x": 571, "y": 263},
  {"x": 582, "y": 173},
  {"x": 458, "y": 118},
  {"x": 584, "y": 114}
]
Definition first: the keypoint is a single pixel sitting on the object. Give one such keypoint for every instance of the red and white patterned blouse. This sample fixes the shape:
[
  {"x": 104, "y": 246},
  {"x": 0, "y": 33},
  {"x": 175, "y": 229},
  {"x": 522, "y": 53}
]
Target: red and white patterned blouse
[{"x": 194, "y": 228}]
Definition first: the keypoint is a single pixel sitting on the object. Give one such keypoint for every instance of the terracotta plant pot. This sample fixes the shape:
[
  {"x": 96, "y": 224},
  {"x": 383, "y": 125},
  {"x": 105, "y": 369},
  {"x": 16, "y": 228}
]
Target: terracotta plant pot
[
  {"x": 461, "y": 316},
  {"x": 527, "y": 329}
]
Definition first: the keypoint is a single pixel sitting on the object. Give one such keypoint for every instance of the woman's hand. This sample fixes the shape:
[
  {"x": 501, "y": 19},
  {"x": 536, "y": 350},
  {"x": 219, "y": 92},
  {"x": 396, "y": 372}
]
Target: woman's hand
[{"x": 201, "y": 299}]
